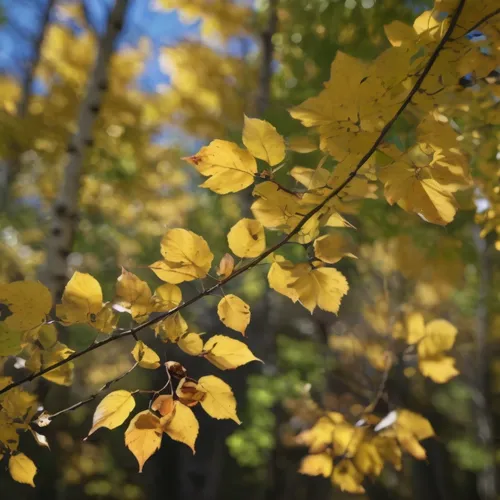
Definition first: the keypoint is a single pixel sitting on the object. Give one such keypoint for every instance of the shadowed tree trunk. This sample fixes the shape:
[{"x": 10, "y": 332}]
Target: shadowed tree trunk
[{"x": 65, "y": 210}]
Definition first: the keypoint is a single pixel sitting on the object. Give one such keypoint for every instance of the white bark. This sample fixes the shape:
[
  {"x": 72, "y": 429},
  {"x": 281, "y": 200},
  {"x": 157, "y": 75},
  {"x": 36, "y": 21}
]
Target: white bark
[{"x": 65, "y": 209}]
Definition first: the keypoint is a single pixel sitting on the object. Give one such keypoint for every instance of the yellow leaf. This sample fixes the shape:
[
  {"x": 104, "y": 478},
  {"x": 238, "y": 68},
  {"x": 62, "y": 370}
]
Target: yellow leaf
[
  {"x": 439, "y": 336},
  {"x": 320, "y": 464},
  {"x": 106, "y": 319},
  {"x": 113, "y": 410},
  {"x": 303, "y": 144},
  {"x": 281, "y": 277},
  {"x": 10, "y": 340},
  {"x": 164, "y": 405},
  {"x": 219, "y": 401},
  {"x": 368, "y": 460},
  {"x": 226, "y": 266},
  {"x": 29, "y": 302},
  {"x": 440, "y": 368},
  {"x": 134, "y": 294},
  {"x": 143, "y": 436},
  {"x": 227, "y": 353},
  {"x": 64, "y": 374},
  {"x": 191, "y": 344},
  {"x": 234, "y": 313},
  {"x": 145, "y": 356},
  {"x": 246, "y": 238},
  {"x": 331, "y": 248},
  {"x": 275, "y": 208},
  {"x": 323, "y": 287},
  {"x": 229, "y": 168},
  {"x": 410, "y": 429},
  {"x": 171, "y": 328},
  {"x": 186, "y": 257},
  {"x": 81, "y": 301},
  {"x": 22, "y": 469},
  {"x": 347, "y": 477},
  {"x": 263, "y": 141},
  {"x": 166, "y": 297},
  {"x": 415, "y": 327},
  {"x": 183, "y": 426}
]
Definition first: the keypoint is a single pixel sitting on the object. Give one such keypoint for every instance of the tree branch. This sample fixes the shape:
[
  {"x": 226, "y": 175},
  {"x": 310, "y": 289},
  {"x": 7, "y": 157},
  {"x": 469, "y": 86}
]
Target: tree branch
[{"x": 269, "y": 251}]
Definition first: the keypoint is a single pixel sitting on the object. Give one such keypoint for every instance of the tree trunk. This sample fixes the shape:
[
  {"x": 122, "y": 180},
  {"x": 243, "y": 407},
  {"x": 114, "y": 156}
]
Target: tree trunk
[
  {"x": 65, "y": 210},
  {"x": 487, "y": 481}
]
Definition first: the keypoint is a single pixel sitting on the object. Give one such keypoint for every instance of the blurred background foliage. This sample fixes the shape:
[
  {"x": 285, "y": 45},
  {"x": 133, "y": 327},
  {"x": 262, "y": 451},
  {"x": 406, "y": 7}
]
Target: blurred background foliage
[{"x": 184, "y": 72}]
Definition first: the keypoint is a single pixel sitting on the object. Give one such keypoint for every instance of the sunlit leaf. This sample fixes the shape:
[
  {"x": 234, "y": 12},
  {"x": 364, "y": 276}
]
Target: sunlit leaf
[
  {"x": 219, "y": 401},
  {"x": 234, "y": 313},
  {"x": 113, "y": 410},
  {"x": 263, "y": 141},
  {"x": 227, "y": 353}
]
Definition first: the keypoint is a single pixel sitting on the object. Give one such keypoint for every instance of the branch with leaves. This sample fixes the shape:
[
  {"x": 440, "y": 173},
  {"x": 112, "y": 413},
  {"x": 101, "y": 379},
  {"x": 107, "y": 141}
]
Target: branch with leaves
[{"x": 354, "y": 116}]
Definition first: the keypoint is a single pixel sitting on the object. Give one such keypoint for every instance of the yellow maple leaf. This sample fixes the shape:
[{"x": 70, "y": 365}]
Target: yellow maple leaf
[
  {"x": 183, "y": 426},
  {"x": 227, "y": 353},
  {"x": 331, "y": 248},
  {"x": 143, "y": 436},
  {"x": 29, "y": 302},
  {"x": 234, "y": 313},
  {"x": 263, "y": 141},
  {"x": 229, "y": 168},
  {"x": 186, "y": 257},
  {"x": 134, "y": 294},
  {"x": 246, "y": 238},
  {"x": 81, "y": 300},
  {"x": 219, "y": 401},
  {"x": 22, "y": 469},
  {"x": 113, "y": 410},
  {"x": 145, "y": 356}
]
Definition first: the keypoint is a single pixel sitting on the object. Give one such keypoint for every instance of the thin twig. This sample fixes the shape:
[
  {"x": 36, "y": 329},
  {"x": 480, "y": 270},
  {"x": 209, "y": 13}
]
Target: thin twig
[
  {"x": 106, "y": 386},
  {"x": 481, "y": 21},
  {"x": 278, "y": 245}
]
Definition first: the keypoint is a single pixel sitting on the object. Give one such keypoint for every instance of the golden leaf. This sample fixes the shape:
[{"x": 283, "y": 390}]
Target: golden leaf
[
  {"x": 145, "y": 356},
  {"x": 143, "y": 436},
  {"x": 227, "y": 353},
  {"x": 22, "y": 469},
  {"x": 186, "y": 257},
  {"x": 229, "y": 168},
  {"x": 439, "y": 368},
  {"x": 191, "y": 344},
  {"x": 323, "y": 287},
  {"x": 226, "y": 266},
  {"x": 439, "y": 336},
  {"x": 171, "y": 328},
  {"x": 113, "y": 410},
  {"x": 320, "y": 464},
  {"x": 246, "y": 238},
  {"x": 331, "y": 248},
  {"x": 134, "y": 294},
  {"x": 234, "y": 313},
  {"x": 347, "y": 477},
  {"x": 263, "y": 141},
  {"x": 29, "y": 302},
  {"x": 219, "y": 401},
  {"x": 81, "y": 300},
  {"x": 183, "y": 426}
]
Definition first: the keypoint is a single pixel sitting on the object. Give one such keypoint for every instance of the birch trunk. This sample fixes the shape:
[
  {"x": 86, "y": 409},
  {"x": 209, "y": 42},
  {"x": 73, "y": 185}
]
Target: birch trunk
[
  {"x": 65, "y": 209},
  {"x": 9, "y": 167},
  {"x": 487, "y": 480}
]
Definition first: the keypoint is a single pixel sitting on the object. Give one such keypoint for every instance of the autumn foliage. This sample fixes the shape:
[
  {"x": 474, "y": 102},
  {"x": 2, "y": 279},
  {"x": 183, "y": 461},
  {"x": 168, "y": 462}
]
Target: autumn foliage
[{"x": 351, "y": 128}]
